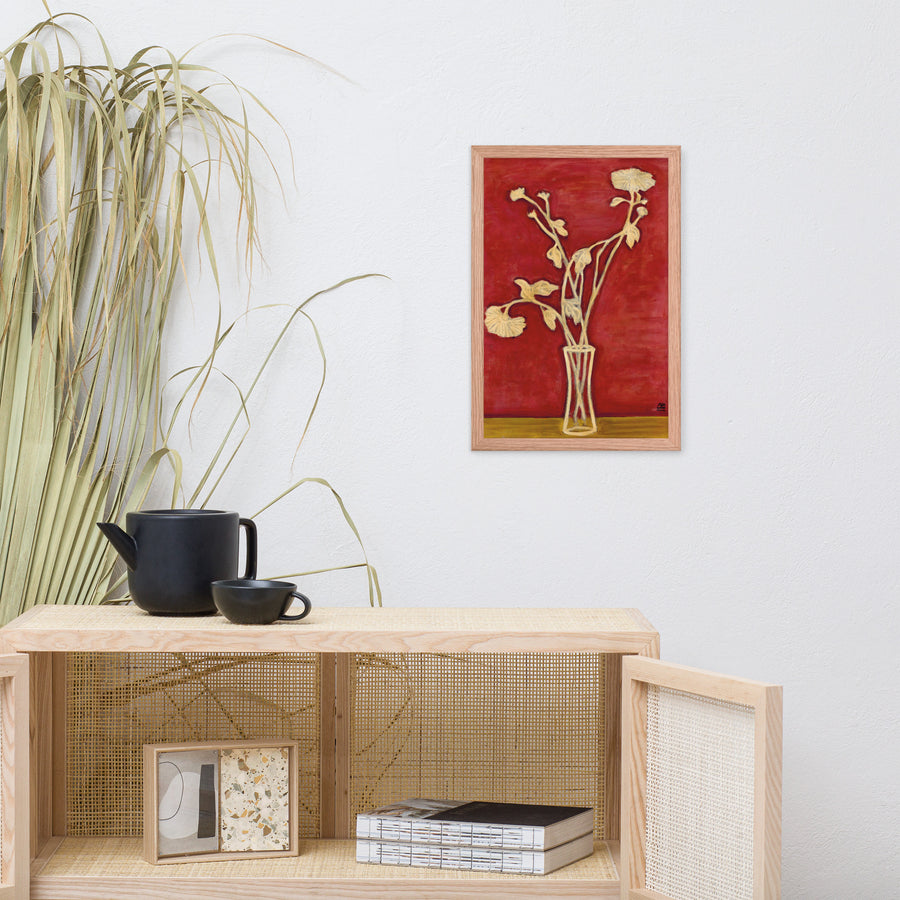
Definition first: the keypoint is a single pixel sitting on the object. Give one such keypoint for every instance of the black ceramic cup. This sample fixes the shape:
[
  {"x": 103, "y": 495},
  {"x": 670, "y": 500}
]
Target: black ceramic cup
[{"x": 246, "y": 601}]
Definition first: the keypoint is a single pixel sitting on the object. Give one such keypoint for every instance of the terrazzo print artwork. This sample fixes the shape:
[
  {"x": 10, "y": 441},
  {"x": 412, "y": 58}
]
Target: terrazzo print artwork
[{"x": 254, "y": 801}]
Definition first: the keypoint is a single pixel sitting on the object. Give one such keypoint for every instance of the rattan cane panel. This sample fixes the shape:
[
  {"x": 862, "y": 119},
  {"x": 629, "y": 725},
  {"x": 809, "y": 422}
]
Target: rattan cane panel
[
  {"x": 516, "y": 727},
  {"x": 121, "y": 858},
  {"x": 700, "y": 791},
  {"x": 117, "y": 702}
]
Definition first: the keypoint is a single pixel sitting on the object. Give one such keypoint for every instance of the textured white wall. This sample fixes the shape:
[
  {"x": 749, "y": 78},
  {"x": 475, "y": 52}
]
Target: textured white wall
[{"x": 768, "y": 546}]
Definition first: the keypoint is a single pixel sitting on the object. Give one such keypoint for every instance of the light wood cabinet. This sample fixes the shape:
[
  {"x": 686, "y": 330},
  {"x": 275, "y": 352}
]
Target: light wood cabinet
[{"x": 552, "y": 664}]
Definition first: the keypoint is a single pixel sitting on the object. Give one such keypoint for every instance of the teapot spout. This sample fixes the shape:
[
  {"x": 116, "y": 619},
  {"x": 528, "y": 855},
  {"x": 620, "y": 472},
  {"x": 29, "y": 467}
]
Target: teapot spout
[{"x": 123, "y": 543}]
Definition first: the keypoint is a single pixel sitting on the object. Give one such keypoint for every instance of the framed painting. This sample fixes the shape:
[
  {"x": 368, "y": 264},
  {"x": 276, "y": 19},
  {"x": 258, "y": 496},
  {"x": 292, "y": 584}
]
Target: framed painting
[
  {"x": 576, "y": 298},
  {"x": 220, "y": 801}
]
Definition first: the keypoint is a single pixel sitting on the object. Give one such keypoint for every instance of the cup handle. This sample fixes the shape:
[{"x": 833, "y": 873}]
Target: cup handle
[{"x": 307, "y": 606}]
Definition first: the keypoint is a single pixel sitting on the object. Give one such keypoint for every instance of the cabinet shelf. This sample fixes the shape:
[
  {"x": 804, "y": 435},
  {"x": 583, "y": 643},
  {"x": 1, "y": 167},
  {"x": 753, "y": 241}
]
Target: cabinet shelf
[
  {"x": 337, "y": 630},
  {"x": 112, "y": 868}
]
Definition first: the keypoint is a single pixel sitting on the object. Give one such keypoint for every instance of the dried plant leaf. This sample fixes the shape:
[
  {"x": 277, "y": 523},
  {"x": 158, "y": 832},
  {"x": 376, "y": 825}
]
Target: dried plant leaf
[
  {"x": 372, "y": 575},
  {"x": 97, "y": 184}
]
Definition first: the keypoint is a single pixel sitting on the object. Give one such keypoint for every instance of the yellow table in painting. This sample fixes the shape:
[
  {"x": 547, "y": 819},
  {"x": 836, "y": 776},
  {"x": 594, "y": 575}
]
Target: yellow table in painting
[{"x": 619, "y": 427}]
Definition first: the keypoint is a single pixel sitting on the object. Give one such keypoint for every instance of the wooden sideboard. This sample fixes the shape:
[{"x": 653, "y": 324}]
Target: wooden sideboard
[{"x": 345, "y": 646}]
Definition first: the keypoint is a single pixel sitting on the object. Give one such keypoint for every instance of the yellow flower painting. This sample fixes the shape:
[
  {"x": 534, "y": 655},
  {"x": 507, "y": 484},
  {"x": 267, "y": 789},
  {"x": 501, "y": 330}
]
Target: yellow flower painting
[{"x": 575, "y": 307}]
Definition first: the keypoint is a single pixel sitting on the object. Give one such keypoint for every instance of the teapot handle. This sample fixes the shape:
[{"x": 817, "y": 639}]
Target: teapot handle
[{"x": 250, "y": 527}]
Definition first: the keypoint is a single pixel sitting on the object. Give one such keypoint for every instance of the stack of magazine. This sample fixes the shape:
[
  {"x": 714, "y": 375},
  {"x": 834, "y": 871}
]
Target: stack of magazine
[{"x": 520, "y": 838}]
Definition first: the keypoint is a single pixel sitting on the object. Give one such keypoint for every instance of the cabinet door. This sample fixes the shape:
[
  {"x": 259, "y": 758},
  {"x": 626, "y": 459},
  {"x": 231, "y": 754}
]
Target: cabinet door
[
  {"x": 15, "y": 828},
  {"x": 701, "y": 785}
]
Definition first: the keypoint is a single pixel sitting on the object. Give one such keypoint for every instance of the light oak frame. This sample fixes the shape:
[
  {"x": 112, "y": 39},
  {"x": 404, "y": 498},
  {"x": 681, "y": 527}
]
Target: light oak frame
[
  {"x": 673, "y": 440},
  {"x": 151, "y": 800},
  {"x": 766, "y": 702},
  {"x": 14, "y": 786}
]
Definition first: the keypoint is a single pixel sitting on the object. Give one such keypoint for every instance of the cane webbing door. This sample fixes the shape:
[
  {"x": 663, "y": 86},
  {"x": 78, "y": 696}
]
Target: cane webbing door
[
  {"x": 701, "y": 785},
  {"x": 15, "y": 828}
]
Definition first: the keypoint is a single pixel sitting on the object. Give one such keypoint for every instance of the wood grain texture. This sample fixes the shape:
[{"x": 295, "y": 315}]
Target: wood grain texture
[
  {"x": 582, "y": 444},
  {"x": 645, "y": 894},
  {"x": 767, "y": 800},
  {"x": 765, "y": 700},
  {"x": 45, "y": 854},
  {"x": 111, "y": 888},
  {"x": 673, "y": 439},
  {"x": 42, "y": 745},
  {"x": 150, "y": 799},
  {"x": 613, "y": 730},
  {"x": 15, "y": 789},
  {"x": 478, "y": 439},
  {"x": 634, "y": 782},
  {"x": 58, "y": 823},
  {"x": 615, "y": 852},
  {"x": 697, "y": 681},
  {"x": 343, "y": 827},
  {"x": 586, "y": 151},
  {"x": 641, "y": 621},
  {"x": 327, "y": 746},
  {"x": 336, "y": 630},
  {"x": 334, "y": 740}
]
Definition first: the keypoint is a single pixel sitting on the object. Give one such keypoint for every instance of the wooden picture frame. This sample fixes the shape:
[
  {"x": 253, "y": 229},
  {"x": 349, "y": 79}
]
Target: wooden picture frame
[
  {"x": 587, "y": 356},
  {"x": 224, "y": 829},
  {"x": 741, "y": 721}
]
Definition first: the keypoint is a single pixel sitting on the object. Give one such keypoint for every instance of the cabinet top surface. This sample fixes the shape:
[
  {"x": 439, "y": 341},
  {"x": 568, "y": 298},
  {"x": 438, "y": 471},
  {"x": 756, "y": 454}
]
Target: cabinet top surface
[{"x": 334, "y": 629}]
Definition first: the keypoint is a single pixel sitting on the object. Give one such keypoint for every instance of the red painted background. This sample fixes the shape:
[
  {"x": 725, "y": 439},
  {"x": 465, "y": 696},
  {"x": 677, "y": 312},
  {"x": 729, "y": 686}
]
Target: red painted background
[{"x": 525, "y": 375}]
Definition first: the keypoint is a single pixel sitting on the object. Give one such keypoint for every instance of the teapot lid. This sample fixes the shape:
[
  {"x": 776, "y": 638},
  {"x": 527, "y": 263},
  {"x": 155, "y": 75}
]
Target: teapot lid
[{"x": 180, "y": 513}]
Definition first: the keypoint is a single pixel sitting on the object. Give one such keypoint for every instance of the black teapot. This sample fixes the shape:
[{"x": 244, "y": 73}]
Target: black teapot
[{"x": 174, "y": 555}]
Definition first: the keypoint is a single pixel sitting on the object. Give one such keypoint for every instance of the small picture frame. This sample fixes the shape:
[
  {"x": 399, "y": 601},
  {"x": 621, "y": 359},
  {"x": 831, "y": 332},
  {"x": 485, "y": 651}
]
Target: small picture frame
[{"x": 220, "y": 801}]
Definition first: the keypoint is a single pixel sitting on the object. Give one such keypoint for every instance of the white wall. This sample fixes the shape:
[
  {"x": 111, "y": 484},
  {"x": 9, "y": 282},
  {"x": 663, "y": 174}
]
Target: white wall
[{"x": 768, "y": 546}]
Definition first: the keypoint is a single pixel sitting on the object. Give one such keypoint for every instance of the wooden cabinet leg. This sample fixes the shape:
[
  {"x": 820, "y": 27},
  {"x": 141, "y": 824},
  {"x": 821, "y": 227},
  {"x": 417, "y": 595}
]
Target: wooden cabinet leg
[{"x": 48, "y": 747}]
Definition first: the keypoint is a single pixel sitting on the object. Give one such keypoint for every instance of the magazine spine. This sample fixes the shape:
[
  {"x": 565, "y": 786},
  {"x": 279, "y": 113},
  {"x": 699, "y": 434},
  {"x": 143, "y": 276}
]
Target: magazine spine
[
  {"x": 478, "y": 859},
  {"x": 451, "y": 834}
]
